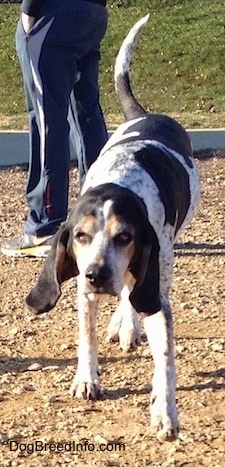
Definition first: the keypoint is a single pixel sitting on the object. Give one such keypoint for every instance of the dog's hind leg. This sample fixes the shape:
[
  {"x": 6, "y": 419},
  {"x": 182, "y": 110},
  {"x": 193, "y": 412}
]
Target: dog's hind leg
[
  {"x": 159, "y": 330},
  {"x": 124, "y": 325}
]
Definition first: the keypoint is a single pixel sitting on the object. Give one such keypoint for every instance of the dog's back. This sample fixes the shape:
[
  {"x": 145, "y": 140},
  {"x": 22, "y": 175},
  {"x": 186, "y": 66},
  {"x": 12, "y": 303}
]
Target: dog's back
[{"x": 150, "y": 154}]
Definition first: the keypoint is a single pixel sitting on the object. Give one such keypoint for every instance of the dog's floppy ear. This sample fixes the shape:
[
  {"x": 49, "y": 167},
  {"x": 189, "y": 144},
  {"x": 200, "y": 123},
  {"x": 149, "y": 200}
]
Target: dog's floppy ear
[
  {"x": 59, "y": 267},
  {"x": 145, "y": 296}
]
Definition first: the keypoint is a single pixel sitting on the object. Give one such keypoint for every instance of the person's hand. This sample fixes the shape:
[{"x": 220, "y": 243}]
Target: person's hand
[{"x": 27, "y": 22}]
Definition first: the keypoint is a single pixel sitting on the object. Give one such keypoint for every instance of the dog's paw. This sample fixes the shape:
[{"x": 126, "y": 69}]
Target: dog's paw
[
  {"x": 129, "y": 339},
  {"x": 164, "y": 419},
  {"x": 126, "y": 332},
  {"x": 112, "y": 333},
  {"x": 88, "y": 391}
]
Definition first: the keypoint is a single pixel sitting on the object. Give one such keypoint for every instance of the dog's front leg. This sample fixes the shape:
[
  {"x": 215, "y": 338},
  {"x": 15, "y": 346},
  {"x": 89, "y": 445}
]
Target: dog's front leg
[
  {"x": 159, "y": 330},
  {"x": 86, "y": 383}
]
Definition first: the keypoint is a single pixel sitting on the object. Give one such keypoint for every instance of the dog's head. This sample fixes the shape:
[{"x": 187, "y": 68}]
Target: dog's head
[{"x": 107, "y": 241}]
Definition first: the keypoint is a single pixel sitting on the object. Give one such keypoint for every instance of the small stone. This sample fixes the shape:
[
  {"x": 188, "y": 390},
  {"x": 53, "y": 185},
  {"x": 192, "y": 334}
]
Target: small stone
[
  {"x": 13, "y": 331},
  {"x": 66, "y": 346},
  {"x": 29, "y": 409},
  {"x": 29, "y": 387},
  {"x": 52, "y": 367},
  {"x": 184, "y": 305},
  {"x": 54, "y": 398},
  {"x": 78, "y": 409},
  {"x": 195, "y": 310},
  {"x": 218, "y": 347},
  {"x": 3, "y": 438},
  {"x": 17, "y": 390},
  {"x": 34, "y": 367},
  {"x": 99, "y": 439},
  {"x": 179, "y": 348},
  {"x": 136, "y": 439}
]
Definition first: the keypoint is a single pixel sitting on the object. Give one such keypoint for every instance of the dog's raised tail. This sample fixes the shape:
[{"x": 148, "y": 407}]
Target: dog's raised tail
[{"x": 130, "y": 107}]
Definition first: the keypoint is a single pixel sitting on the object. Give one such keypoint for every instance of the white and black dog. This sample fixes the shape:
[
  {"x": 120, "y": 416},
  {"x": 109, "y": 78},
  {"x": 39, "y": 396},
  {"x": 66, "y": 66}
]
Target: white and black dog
[{"x": 119, "y": 239}]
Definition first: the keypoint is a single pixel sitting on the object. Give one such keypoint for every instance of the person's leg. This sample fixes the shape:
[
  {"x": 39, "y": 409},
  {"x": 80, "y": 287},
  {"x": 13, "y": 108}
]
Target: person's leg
[
  {"x": 49, "y": 56},
  {"x": 87, "y": 126},
  {"x": 47, "y": 94},
  {"x": 27, "y": 244},
  {"x": 64, "y": 55},
  {"x": 49, "y": 74},
  {"x": 34, "y": 171},
  {"x": 53, "y": 74},
  {"x": 85, "y": 97}
]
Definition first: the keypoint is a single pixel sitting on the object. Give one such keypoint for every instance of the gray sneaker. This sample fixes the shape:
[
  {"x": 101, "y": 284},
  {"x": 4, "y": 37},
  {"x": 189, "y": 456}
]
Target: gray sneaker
[{"x": 27, "y": 245}]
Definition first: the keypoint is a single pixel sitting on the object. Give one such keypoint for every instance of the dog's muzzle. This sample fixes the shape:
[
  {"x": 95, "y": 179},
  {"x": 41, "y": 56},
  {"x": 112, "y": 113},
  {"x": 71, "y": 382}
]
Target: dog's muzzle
[{"x": 99, "y": 279}]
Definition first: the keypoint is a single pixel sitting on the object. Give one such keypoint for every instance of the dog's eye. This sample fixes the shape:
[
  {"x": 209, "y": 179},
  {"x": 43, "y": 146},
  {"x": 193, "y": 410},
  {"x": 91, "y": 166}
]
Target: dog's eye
[
  {"x": 123, "y": 238},
  {"x": 82, "y": 237}
]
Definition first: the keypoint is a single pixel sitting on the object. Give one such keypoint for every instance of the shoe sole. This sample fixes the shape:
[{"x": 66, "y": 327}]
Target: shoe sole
[{"x": 34, "y": 252}]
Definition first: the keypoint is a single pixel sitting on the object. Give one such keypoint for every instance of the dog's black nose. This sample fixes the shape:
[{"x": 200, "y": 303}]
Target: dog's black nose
[{"x": 98, "y": 275}]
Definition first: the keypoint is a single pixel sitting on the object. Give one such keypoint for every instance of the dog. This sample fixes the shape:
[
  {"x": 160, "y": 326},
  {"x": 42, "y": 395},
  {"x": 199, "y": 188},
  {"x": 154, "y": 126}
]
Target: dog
[{"x": 119, "y": 240}]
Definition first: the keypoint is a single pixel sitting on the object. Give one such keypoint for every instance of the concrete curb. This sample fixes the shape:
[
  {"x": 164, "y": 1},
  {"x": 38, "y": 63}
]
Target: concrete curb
[{"x": 14, "y": 145}]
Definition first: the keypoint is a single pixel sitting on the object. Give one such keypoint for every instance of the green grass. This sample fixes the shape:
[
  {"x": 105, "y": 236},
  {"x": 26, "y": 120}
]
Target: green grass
[{"x": 178, "y": 66}]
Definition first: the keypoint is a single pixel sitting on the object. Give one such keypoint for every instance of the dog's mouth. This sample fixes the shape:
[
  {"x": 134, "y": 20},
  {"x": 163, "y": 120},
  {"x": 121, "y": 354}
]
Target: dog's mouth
[{"x": 106, "y": 289}]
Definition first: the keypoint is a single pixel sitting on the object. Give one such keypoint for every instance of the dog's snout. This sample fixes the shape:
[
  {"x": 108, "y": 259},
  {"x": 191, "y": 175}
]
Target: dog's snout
[{"x": 98, "y": 275}]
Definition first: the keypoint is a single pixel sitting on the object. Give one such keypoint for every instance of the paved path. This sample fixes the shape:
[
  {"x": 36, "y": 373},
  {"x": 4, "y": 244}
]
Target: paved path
[{"x": 14, "y": 145}]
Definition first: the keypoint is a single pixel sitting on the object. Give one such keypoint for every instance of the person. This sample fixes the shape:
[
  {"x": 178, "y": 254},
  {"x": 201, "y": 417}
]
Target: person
[{"x": 58, "y": 45}]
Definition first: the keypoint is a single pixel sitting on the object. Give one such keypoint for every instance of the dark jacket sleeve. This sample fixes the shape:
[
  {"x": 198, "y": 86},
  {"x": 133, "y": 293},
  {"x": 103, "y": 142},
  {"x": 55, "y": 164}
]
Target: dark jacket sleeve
[{"x": 31, "y": 7}]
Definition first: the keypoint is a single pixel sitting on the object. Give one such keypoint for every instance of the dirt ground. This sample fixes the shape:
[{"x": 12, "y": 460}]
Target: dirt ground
[{"x": 38, "y": 356}]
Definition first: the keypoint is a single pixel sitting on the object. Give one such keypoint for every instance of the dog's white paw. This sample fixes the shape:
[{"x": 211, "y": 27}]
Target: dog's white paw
[
  {"x": 164, "y": 419},
  {"x": 113, "y": 332},
  {"x": 86, "y": 383},
  {"x": 125, "y": 330},
  {"x": 129, "y": 339},
  {"x": 83, "y": 390}
]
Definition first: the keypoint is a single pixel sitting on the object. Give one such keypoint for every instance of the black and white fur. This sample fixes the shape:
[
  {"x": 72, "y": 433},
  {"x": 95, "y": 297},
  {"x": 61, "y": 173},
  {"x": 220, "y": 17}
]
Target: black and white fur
[{"x": 119, "y": 239}]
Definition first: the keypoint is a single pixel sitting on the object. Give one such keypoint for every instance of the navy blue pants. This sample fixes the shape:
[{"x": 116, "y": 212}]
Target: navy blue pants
[{"x": 60, "y": 62}]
